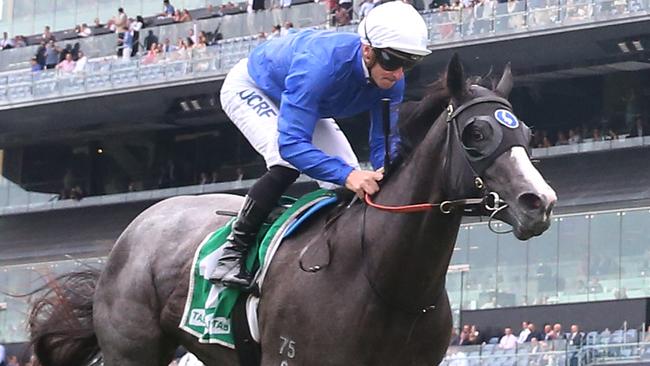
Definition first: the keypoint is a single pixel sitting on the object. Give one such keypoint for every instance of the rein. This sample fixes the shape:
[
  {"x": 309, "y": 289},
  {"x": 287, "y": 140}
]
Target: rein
[{"x": 489, "y": 205}]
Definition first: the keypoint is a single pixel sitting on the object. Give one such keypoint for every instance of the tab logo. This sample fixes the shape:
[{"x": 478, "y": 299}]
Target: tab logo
[
  {"x": 197, "y": 318},
  {"x": 219, "y": 325},
  {"x": 256, "y": 103}
]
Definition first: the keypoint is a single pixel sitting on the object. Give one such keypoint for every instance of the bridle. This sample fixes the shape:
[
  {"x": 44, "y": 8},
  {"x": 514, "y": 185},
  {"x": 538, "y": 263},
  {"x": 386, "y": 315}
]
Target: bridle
[{"x": 489, "y": 202}]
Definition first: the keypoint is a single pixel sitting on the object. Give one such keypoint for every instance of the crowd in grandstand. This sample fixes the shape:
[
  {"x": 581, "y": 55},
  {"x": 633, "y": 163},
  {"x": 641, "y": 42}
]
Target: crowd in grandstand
[{"x": 529, "y": 332}]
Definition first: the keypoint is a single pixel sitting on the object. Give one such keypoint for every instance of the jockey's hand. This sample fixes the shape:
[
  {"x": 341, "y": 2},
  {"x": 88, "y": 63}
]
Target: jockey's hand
[{"x": 363, "y": 181}]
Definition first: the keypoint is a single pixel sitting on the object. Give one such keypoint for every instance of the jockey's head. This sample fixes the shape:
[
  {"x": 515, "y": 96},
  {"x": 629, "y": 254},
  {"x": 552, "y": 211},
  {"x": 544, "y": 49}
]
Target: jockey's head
[{"x": 394, "y": 39}]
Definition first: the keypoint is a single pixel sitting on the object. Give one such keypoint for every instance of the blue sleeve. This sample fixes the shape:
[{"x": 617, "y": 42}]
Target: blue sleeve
[
  {"x": 304, "y": 85},
  {"x": 376, "y": 139}
]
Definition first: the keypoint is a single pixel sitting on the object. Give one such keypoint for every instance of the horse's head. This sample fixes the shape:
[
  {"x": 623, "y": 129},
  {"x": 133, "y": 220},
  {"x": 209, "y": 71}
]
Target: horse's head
[{"x": 489, "y": 142}]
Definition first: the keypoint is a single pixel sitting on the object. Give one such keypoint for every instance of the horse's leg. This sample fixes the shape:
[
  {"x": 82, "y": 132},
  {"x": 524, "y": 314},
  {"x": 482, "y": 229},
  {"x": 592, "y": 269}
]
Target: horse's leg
[
  {"x": 126, "y": 314},
  {"x": 129, "y": 334}
]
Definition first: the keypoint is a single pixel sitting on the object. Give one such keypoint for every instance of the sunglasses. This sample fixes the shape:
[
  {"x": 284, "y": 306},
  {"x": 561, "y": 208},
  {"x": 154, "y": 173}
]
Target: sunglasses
[{"x": 391, "y": 60}]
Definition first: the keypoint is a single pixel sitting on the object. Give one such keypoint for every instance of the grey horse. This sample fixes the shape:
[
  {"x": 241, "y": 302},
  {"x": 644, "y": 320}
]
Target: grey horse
[{"x": 380, "y": 296}]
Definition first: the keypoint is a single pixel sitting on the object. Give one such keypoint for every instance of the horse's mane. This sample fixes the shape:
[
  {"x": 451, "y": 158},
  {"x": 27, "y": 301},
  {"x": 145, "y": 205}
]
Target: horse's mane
[{"x": 417, "y": 117}]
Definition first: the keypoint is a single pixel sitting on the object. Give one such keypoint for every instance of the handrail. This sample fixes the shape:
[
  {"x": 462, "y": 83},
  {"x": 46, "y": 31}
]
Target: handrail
[{"x": 445, "y": 27}]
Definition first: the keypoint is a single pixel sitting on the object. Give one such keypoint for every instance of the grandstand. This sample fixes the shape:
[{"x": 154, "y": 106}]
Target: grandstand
[{"x": 128, "y": 134}]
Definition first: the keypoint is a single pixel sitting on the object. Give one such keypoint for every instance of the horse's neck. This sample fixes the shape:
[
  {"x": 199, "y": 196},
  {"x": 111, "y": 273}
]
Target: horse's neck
[{"x": 410, "y": 252}]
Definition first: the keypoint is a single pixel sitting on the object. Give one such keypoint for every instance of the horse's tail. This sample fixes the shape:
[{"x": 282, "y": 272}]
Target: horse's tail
[{"x": 61, "y": 320}]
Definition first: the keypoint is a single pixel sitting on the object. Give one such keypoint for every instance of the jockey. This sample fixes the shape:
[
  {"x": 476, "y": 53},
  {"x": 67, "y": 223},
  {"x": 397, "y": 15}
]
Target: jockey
[{"x": 284, "y": 96}]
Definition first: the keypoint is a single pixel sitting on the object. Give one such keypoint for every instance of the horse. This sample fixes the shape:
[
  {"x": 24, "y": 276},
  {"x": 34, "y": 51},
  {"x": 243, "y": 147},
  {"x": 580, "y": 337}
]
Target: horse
[{"x": 378, "y": 299}]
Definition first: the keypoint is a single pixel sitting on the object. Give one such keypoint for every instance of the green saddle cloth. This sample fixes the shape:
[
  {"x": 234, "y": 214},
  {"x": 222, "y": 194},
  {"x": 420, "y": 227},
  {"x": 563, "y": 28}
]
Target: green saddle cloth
[{"x": 208, "y": 306}]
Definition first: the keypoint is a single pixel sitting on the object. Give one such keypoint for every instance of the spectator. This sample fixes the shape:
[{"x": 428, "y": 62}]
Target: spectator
[
  {"x": 275, "y": 32},
  {"x": 342, "y": 16},
  {"x": 549, "y": 334},
  {"x": 347, "y": 6},
  {"x": 84, "y": 31},
  {"x": 523, "y": 335},
  {"x": 35, "y": 66},
  {"x": 126, "y": 45},
  {"x": 191, "y": 38},
  {"x": 218, "y": 36},
  {"x": 3, "y": 355},
  {"x": 47, "y": 36},
  {"x": 67, "y": 65},
  {"x": 181, "y": 49},
  {"x": 81, "y": 62},
  {"x": 475, "y": 337},
  {"x": 177, "y": 16},
  {"x": 508, "y": 341},
  {"x": 149, "y": 40},
  {"x": 75, "y": 51},
  {"x": 557, "y": 329},
  {"x": 561, "y": 139},
  {"x": 463, "y": 338},
  {"x": 135, "y": 28},
  {"x": 534, "y": 332},
  {"x": 51, "y": 55},
  {"x": 65, "y": 51},
  {"x": 288, "y": 28},
  {"x": 639, "y": 128},
  {"x": 19, "y": 41},
  {"x": 168, "y": 10},
  {"x": 214, "y": 177},
  {"x": 121, "y": 21},
  {"x": 365, "y": 8},
  {"x": 202, "y": 42},
  {"x": 256, "y": 5},
  {"x": 6, "y": 42},
  {"x": 152, "y": 54},
  {"x": 76, "y": 193},
  {"x": 575, "y": 338},
  {"x": 167, "y": 46},
  {"x": 203, "y": 178},
  {"x": 40, "y": 55},
  {"x": 574, "y": 137},
  {"x": 185, "y": 16},
  {"x": 13, "y": 361}
]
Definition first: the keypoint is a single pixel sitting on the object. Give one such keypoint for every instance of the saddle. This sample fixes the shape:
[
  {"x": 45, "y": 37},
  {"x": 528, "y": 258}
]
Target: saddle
[{"x": 227, "y": 316}]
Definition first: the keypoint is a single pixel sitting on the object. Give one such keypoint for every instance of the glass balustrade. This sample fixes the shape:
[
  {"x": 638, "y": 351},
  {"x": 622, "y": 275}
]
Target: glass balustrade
[{"x": 583, "y": 257}]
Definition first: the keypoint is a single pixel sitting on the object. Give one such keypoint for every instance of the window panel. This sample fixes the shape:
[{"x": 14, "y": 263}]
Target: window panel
[
  {"x": 64, "y": 17},
  {"x": 574, "y": 258},
  {"x": 23, "y": 18},
  {"x": 511, "y": 270},
  {"x": 542, "y": 268},
  {"x": 44, "y": 15},
  {"x": 635, "y": 253},
  {"x": 86, "y": 12},
  {"x": 604, "y": 255},
  {"x": 481, "y": 280}
]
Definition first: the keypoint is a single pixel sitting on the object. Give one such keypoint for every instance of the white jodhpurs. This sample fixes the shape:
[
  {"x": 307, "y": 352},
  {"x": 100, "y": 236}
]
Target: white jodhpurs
[{"x": 256, "y": 116}]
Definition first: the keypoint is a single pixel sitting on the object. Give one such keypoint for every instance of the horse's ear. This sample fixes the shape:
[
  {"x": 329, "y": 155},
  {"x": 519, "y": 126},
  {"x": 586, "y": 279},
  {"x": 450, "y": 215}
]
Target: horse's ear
[
  {"x": 505, "y": 84},
  {"x": 456, "y": 78}
]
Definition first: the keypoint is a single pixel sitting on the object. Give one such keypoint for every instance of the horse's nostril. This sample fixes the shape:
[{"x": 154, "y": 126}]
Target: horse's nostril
[{"x": 530, "y": 201}]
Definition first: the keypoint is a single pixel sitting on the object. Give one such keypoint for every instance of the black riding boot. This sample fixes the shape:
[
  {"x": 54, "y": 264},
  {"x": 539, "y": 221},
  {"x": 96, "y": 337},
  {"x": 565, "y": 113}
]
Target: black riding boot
[{"x": 231, "y": 270}]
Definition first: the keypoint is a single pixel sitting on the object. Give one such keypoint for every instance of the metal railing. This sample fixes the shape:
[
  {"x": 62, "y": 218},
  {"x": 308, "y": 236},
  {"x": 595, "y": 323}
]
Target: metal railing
[
  {"x": 444, "y": 27},
  {"x": 556, "y": 353}
]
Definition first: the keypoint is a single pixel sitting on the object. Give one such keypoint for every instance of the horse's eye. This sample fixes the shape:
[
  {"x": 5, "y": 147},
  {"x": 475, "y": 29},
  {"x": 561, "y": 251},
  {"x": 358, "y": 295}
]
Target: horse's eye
[{"x": 477, "y": 135}]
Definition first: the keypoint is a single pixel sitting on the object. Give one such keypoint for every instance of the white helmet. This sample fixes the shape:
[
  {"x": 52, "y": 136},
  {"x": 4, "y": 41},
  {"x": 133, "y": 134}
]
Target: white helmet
[{"x": 397, "y": 26}]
